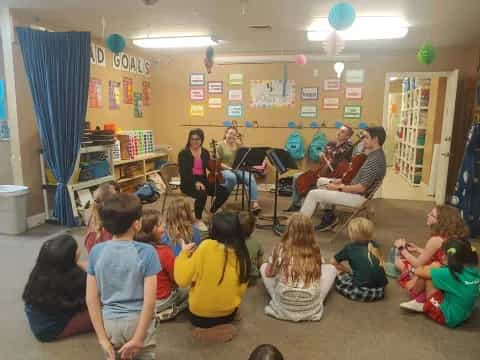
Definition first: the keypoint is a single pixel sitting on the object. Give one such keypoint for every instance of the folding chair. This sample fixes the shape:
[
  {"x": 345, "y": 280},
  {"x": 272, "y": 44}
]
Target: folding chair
[
  {"x": 356, "y": 211},
  {"x": 170, "y": 175}
]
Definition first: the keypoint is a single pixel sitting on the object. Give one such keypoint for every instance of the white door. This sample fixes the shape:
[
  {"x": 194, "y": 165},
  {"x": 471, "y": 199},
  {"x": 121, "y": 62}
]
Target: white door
[{"x": 446, "y": 141}]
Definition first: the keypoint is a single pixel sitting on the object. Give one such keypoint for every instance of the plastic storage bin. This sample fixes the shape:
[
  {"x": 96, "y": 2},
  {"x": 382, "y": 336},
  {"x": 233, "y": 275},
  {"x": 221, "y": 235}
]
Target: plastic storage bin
[{"x": 13, "y": 209}]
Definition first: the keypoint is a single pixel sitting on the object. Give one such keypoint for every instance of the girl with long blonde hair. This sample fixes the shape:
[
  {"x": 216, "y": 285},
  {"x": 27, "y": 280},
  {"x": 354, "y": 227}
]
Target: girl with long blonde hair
[
  {"x": 367, "y": 280},
  {"x": 180, "y": 225},
  {"x": 294, "y": 275}
]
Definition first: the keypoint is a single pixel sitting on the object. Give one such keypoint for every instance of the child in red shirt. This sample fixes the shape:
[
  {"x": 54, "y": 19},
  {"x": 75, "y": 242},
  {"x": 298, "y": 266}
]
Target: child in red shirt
[{"x": 171, "y": 300}]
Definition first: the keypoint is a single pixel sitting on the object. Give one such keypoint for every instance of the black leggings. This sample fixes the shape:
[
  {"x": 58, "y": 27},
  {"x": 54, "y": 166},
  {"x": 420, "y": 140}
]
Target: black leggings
[
  {"x": 221, "y": 195},
  {"x": 204, "y": 322}
]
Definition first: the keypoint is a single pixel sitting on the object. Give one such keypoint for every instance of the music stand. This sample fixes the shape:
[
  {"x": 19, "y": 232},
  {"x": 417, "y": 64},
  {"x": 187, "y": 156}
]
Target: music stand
[
  {"x": 282, "y": 161},
  {"x": 245, "y": 159}
]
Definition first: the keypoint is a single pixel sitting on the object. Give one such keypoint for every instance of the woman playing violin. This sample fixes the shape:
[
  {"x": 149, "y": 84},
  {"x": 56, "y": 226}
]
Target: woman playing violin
[{"x": 193, "y": 161}]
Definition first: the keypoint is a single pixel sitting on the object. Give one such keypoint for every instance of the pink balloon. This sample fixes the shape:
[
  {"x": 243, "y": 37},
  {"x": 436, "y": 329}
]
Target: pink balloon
[{"x": 300, "y": 59}]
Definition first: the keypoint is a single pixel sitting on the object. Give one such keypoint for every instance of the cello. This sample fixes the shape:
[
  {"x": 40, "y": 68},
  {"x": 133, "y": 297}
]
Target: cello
[
  {"x": 308, "y": 179},
  {"x": 214, "y": 166}
]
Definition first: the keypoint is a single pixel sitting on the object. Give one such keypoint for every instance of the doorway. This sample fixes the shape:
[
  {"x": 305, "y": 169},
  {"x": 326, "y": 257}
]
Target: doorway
[{"x": 418, "y": 118}]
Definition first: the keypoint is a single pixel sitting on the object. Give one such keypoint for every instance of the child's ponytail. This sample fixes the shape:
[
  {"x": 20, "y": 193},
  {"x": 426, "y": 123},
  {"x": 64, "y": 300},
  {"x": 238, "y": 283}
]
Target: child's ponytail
[
  {"x": 460, "y": 253},
  {"x": 374, "y": 251}
]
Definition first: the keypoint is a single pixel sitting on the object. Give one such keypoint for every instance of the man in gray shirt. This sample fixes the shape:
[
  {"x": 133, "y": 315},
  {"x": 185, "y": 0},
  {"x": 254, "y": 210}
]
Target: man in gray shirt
[{"x": 363, "y": 185}]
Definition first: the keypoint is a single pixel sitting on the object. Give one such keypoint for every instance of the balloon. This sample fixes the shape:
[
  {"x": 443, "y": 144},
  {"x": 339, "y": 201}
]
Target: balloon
[
  {"x": 208, "y": 61},
  {"x": 300, "y": 59},
  {"x": 341, "y": 16},
  {"x": 426, "y": 54},
  {"x": 116, "y": 43}
]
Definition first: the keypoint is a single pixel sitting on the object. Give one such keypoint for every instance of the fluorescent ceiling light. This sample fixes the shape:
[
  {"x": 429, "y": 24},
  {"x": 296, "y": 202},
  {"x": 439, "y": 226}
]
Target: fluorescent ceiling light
[
  {"x": 364, "y": 28},
  {"x": 175, "y": 42}
]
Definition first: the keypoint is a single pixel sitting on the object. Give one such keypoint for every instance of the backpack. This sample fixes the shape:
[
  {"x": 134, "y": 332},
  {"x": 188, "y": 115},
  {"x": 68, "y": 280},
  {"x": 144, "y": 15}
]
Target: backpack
[
  {"x": 148, "y": 193},
  {"x": 317, "y": 145},
  {"x": 294, "y": 146}
]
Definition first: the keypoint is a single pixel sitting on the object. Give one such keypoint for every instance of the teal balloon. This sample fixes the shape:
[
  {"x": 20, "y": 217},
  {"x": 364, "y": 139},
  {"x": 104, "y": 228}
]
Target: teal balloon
[
  {"x": 426, "y": 54},
  {"x": 341, "y": 16},
  {"x": 116, "y": 43},
  {"x": 210, "y": 53}
]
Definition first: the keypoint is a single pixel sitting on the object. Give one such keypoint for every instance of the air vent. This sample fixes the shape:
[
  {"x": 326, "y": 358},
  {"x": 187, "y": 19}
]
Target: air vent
[{"x": 260, "y": 27}]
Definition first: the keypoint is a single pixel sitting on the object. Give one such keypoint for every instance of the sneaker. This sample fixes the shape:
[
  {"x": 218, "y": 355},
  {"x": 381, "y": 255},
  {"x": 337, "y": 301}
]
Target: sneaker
[
  {"x": 201, "y": 226},
  {"x": 412, "y": 305},
  {"x": 292, "y": 208},
  {"x": 327, "y": 225}
]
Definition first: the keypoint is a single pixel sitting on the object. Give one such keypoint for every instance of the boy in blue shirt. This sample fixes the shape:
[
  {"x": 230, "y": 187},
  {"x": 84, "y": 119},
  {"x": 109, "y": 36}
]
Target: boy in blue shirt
[{"x": 122, "y": 283}]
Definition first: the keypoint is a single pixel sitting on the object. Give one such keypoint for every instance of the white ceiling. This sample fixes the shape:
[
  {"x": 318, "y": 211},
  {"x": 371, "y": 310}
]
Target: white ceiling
[{"x": 442, "y": 22}]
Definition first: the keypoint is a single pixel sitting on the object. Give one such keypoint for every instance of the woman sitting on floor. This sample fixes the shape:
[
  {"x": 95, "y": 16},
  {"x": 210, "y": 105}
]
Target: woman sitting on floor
[
  {"x": 55, "y": 292},
  {"x": 295, "y": 277},
  {"x": 445, "y": 224}
]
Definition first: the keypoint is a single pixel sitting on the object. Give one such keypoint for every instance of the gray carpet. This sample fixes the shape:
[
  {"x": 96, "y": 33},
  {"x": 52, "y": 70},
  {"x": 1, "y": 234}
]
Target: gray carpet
[{"x": 348, "y": 330}]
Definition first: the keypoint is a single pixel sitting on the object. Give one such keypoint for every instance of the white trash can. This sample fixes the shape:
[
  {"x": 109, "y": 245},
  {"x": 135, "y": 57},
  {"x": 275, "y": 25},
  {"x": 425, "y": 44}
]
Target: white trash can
[{"x": 13, "y": 209}]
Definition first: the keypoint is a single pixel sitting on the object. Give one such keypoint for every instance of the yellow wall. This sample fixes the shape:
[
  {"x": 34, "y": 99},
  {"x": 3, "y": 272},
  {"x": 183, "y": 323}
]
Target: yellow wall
[{"x": 171, "y": 89}]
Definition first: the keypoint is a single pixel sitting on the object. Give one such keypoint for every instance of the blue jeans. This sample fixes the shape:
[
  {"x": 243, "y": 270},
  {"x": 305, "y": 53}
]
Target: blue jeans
[
  {"x": 296, "y": 197},
  {"x": 233, "y": 177}
]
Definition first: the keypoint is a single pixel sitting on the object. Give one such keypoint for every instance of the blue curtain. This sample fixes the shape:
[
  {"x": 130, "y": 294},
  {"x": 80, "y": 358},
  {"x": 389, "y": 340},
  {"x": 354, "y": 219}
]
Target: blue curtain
[
  {"x": 467, "y": 188},
  {"x": 58, "y": 70}
]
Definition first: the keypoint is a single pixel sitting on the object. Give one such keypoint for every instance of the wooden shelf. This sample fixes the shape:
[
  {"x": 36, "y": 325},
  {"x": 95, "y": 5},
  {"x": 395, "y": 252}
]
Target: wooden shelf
[
  {"x": 139, "y": 158},
  {"x": 123, "y": 180}
]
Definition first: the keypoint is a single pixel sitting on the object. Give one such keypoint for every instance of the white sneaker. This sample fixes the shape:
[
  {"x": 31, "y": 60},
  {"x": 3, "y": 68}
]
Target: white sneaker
[
  {"x": 201, "y": 226},
  {"x": 412, "y": 305}
]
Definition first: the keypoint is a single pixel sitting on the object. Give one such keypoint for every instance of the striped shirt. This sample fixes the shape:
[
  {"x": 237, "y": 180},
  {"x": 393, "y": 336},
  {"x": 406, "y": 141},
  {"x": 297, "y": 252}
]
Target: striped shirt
[{"x": 372, "y": 172}]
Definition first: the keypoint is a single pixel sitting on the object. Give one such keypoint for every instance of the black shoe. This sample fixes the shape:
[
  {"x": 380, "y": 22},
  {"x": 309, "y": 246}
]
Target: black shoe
[
  {"x": 327, "y": 224},
  {"x": 279, "y": 230},
  {"x": 292, "y": 208}
]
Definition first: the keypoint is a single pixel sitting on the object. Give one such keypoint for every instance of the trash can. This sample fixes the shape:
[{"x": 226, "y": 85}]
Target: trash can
[{"x": 13, "y": 209}]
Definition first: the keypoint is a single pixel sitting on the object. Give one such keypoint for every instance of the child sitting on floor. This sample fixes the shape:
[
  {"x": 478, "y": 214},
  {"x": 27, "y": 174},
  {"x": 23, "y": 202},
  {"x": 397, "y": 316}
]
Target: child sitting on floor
[
  {"x": 170, "y": 299},
  {"x": 55, "y": 292},
  {"x": 266, "y": 352},
  {"x": 122, "y": 283},
  {"x": 255, "y": 250},
  {"x": 217, "y": 273},
  {"x": 452, "y": 290},
  {"x": 180, "y": 225},
  {"x": 294, "y": 275},
  {"x": 367, "y": 280},
  {"x": 95, "y": 232}
]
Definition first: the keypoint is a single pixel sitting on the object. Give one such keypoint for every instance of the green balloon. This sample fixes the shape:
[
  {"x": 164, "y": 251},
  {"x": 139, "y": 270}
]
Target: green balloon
[{"x": 426, "y": 54}]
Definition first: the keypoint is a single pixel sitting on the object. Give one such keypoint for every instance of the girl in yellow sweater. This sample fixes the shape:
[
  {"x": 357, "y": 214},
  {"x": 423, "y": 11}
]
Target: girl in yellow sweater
[{"x": 217, "y": 273}]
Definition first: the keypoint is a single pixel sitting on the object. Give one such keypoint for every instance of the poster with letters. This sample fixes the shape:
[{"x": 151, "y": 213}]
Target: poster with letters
[
  {"x": 114, "y": 95},
  {"x": 147, "y": 93},
  {"x": 127, "y": 90},
  {"x": 137, "y": 105},
  {"x": 95, "y": 93}
]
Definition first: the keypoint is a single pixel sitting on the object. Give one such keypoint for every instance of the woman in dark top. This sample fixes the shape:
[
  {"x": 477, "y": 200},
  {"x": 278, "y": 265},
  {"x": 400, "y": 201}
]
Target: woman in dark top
[
  {"x": 193, "y": 161},
  {"x": 55, "y": 292}
]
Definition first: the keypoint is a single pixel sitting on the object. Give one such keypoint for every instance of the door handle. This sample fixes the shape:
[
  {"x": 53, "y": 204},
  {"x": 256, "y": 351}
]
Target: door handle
[
  {"x": 446, "y": 154},
  {"x": 448, "y": 138}
]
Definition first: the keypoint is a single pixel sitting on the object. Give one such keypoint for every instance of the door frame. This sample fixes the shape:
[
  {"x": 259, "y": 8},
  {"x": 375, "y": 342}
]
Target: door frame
[{"x": 447, "y": 125}]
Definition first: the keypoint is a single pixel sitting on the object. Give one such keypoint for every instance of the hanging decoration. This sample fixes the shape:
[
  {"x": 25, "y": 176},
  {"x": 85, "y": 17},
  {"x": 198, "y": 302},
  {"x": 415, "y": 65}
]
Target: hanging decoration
[
  {"x": 285, "y": 79},
  {"x": 426, "y": 54},
  {"x": 208, "y": 61},
  {"x": 341, "y": 16},
  {"x": 339, "y": 67},
  {"x": 116, "y": 43},
  {"x": 300, "y": 59},
  {"x": 334, "y": 44}
]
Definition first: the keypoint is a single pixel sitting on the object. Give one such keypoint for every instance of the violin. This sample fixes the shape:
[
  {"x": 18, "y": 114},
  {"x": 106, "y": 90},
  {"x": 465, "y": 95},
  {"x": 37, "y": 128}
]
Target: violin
[
  {"x": 214, "y": 166},
  {"x": 308, "y": 179}
]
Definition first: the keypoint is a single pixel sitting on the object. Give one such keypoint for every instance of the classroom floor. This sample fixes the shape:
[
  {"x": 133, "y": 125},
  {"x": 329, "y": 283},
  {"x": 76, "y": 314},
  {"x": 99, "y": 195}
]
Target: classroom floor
[
  {"x": 397, "y": 187},
  {"x": 348, "y": 330}
]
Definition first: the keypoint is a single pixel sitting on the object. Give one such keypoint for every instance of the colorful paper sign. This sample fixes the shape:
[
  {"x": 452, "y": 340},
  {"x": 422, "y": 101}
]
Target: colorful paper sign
[
  {"x": 197, "y": 110},
  {"x": 215, "y": 87},
  {"x": 352, "y": 112},
  {"x": 95, "y": 93},
  {"x": 309, "y": 93},
  {"x": 235, "y": 110},
  {"x": 235, "y": 79},
  {"x": 137, "y": 105},
  {"x": 267, "y": 94},
  {"x": 114, "y": 95},
  {"x": 331, "y": 103},
  {"x": 127, "y": 90},
  {"x": 353, "y": 93},
  {"x": 308, "y": 111},
  {"x": 215, "y": 102},
  {"x": 331, "y": 85},
  {"x": 235, "y": 95},
  {"x": 355, "y": 76},
  {"x": 197, "y": 79},
  {"x": 147, "y": 93},
  {"x": 197, "y": 94}
]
